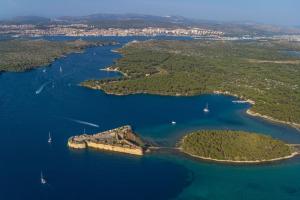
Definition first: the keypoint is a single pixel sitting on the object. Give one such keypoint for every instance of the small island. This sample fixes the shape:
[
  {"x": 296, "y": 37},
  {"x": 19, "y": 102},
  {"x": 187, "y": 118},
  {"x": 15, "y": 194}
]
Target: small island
[
  {"x": 122, "y": 140},
  {"x": 235, "y": 147}
]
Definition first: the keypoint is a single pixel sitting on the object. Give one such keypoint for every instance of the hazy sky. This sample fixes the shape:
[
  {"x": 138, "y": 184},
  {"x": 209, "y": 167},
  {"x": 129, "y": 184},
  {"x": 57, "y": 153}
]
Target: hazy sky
[{"x": 285, "y": 12}]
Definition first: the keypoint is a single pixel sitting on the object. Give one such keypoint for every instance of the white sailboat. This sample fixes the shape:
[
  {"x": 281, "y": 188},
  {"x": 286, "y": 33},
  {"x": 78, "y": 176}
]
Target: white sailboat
[
  {"x": 49, "y": 139},
  {"x": 43, "y": 180},
  {"x": 206, "y": 110}
]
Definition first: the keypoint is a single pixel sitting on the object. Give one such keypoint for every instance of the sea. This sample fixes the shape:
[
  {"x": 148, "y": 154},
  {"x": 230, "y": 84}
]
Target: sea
[{"x": 48, "y": 99}]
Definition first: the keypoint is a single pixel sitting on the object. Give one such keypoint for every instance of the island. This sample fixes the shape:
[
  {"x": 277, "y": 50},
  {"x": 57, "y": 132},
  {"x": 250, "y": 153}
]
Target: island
[
  {"x": 18, "y": 55},
  {"x": 263, "y": 72},
  {"x": 235, "y": 147},
  {"x": 122, "y": 140}
]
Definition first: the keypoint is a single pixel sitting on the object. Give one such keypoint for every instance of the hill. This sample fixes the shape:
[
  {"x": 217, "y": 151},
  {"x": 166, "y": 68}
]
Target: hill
[{"x": 142, "y": 21}]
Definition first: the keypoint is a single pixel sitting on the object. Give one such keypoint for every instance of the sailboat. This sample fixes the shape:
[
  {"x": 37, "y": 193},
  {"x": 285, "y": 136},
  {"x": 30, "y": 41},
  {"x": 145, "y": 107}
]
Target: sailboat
[
  {"x": 206, "y": 110},
  {"x": 49, "y": 139},
  {"x": 43, "y": 180}
]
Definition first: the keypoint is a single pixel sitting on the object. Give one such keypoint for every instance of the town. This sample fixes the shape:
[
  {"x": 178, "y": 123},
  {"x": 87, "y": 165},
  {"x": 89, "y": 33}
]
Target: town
[{"x": 90, "y": 30}]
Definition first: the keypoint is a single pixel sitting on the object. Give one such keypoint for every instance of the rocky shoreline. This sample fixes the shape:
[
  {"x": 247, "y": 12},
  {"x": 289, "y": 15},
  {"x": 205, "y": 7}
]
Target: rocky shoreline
[
  {"x": 242, "y": 162},
  {"x": 254, "y": 114},
  {"x": 249, "y": 111},
  {"x": 112, "y": 69}
]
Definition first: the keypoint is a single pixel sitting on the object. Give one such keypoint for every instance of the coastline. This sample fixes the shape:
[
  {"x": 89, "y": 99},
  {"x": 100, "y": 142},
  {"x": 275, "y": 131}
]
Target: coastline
[
  {"x": 111, "y": 69},
  {"x": 254, "y": 114},
  {"x": 48, "y": 63},
  {"x": 249, "y": 111},
  {"x": 242, "y": 162}
]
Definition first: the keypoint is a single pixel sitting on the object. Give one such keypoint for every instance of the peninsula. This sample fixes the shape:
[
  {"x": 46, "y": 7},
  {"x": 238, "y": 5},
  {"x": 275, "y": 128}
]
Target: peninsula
[
  {"x": 235, "y": 147},
  {"x": 122, "y": 140},
  {"x": 21, "y": 55},
  {"x": 264, "y": 72}
]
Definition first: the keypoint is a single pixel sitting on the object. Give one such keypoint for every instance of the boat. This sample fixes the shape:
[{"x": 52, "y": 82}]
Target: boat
[
  {"x": 49, "y": 139},
  {"x": 60, "y": 69},
  {"x": 43, "y": 180},
  {"x": 239, "y": 101},
  {"x": 206, "y": 110},
  {"x": 173, "y": 122},
  {"x": 44, "y": 70}
]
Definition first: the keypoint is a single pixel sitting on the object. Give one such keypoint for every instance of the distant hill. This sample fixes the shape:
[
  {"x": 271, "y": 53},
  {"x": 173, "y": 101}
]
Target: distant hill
[
  {"x": 36, "y": 20},
  {"x": 142, "y": 21},
  {"x": 127, "y": 20}
]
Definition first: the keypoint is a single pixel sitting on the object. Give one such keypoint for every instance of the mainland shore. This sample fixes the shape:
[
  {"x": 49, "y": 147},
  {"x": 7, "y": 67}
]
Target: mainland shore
[
  {"x": 249, "y": 111},
  {"x": 254, "y": 114}
]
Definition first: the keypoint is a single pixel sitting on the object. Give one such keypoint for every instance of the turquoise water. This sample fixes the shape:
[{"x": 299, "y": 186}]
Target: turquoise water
[{"x": 27, "y": 117}]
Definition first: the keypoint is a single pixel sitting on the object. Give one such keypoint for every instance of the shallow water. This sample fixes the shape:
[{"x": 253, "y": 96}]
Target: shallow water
[{"x": 27, "y": 117}]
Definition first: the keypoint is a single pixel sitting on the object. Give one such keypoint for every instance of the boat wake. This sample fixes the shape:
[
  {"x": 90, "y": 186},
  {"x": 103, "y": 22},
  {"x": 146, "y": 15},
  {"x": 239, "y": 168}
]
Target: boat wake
[
  {"x": 83, "y": 122},
  {"x": 41, "y": 88}
]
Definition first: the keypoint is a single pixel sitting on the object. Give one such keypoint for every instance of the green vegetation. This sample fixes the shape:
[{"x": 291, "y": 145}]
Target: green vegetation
[
  {"x": 21, "y": 55},
  {"x": 262, "y": 71},
  {"x": 234, "y": 146}
]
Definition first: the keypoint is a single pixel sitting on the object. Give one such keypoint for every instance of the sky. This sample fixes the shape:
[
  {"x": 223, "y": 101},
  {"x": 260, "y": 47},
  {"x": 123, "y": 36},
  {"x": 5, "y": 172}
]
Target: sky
[{"x": 280, "y": 12}]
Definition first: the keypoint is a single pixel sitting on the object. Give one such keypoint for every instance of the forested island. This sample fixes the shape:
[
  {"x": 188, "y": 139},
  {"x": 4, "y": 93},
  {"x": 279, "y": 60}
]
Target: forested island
[
  {"x": 235, "y": 146},
  {"x": 266, "y": 72},
  {"x": 22, "y": 55}
]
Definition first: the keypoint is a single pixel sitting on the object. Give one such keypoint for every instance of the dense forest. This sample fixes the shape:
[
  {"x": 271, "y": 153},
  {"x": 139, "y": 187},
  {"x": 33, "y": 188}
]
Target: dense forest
[
  {"x": 234, "y": 145},
  {"x": 267, "y": 72},
  {"x": 21, "y": 55}
]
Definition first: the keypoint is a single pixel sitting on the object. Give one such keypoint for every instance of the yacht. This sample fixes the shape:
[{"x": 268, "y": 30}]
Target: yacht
[
  {"x": 173, "y": 122},
  {"x": 206, "y": 110},
  {"x": 49, "y": 139},
  {"x": 43, "y": 180}
]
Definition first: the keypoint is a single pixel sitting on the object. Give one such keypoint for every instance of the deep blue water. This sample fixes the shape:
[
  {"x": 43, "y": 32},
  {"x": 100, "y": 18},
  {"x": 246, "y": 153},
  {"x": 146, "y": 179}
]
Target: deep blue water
[
  {"x": 292, "y": 53},
  {"x": 27, "y": 117}
]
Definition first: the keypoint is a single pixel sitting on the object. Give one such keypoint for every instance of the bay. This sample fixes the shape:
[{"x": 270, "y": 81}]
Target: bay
[{"x": 27, "y": 117}]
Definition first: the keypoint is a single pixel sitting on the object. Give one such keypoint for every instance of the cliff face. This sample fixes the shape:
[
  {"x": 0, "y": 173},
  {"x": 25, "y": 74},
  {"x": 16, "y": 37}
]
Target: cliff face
[{"x": 121, "y": 140}]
